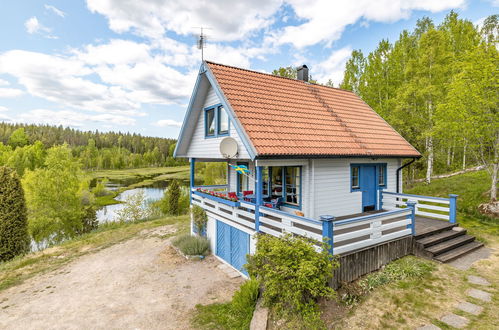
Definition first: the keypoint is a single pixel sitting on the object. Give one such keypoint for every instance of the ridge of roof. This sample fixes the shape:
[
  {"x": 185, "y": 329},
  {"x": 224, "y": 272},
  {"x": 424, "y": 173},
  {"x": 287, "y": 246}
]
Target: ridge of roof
[{"x": 281, "y": 77}]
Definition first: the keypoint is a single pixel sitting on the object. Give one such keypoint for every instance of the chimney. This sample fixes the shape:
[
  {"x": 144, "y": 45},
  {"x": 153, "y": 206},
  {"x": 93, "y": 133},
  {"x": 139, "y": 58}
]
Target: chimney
[{"x": 302, "y": 73}]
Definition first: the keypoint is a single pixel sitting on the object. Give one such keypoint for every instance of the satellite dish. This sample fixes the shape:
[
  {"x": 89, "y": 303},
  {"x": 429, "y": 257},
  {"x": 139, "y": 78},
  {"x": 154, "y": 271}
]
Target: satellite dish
[{"x": 228, "y": 147}]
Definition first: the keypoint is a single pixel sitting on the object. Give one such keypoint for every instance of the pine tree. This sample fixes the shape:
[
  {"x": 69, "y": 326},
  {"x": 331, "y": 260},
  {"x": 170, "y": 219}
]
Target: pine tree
[{"x": 14, "y": 238}]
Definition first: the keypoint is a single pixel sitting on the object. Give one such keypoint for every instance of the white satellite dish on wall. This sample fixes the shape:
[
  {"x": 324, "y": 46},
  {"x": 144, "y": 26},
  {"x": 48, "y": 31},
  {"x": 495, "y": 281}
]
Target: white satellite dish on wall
[{"x": 228, "y": 147}]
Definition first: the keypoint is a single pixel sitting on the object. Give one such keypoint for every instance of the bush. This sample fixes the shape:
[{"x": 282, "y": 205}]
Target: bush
[
  {"x": 199, "y": 218},
  {"x": 192, "y": 245},
  {"x": 134, "y": 208},
  {"x": 100, "y": 189},
  {"x": 235, "y": 314},
  {"x": 14, "y": 237},
  {"x": 293, "y": 274},
  {"x": 175, "y": 200}
]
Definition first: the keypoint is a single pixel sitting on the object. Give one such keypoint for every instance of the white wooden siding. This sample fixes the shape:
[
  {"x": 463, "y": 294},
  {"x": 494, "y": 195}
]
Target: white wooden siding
[
  {"x": 200, "y": 147},
  {"x": 331, "y": 184}
]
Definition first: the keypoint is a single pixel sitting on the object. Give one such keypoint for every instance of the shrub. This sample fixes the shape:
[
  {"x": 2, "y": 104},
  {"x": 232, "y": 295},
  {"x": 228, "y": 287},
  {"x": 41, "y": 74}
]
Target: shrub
[
  {"x": 199, "y": 218},
  {"x": 235, "y": 314},
  {"x": 14, "y": 237},
  {"x": 192, "y": 245},
  {"x": 175, "y": 200},
  {"x": 100, "y": 189},
  {"x": 293, "y": 274},
  {"x": 134, "y": 208}
]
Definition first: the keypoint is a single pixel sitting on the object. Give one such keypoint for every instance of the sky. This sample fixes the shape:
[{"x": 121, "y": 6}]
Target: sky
[{"x": 130, "y": 66}]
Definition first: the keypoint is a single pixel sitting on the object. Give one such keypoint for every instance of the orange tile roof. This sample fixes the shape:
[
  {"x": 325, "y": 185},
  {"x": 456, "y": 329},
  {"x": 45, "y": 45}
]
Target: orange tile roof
[{"x": 283, "y": 116}]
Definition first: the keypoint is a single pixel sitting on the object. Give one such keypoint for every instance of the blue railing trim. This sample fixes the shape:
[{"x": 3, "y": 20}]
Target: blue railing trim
[
  {"x": 367, "y": 217},
  {"x": 217, "y": 199},
  {"x": 417, "y": 196},
  {"x": 315, "y": 222},
  {"x": 211, "y": 186}
]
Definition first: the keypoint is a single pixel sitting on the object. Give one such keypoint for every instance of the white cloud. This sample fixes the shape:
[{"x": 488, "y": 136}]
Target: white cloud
[
  {"x": 33, "y": 26},
  {"x": 168, "y": 122},
  {"x": 3, "y": 116},
  {"x": 229, "y": 20},
  {"x": 62, "y": 80},
  {"x": 55, "y": 10},
  {"x": 71, "y": 118},
  {"x": 10, "y": 92},
  {"x": 333, "y": 67},
  {"x": 3, "y": 109},
  {"x": 4, "y": 82},
  {"x": 325, "y": 20}
]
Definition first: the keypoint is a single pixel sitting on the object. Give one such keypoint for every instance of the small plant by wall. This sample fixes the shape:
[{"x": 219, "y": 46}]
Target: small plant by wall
[
  {"x": 192, "y": 245},
  {"x": 293, "y": 275},
  {"x": 200, "y": 220}
]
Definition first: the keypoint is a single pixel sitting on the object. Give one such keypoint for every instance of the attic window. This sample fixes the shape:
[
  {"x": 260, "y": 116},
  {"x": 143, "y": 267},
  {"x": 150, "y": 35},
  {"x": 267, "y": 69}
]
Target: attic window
[
  {"x": 223, "y": 121},
  {"x": 210, "y": 122}
]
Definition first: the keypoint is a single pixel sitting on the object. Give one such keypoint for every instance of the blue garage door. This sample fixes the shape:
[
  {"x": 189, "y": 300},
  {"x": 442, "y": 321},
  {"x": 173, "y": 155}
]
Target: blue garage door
[{"x": 232, "y": 245}]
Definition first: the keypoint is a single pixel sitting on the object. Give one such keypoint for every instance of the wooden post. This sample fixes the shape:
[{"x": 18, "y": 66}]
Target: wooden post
[
  {"x": 412, "y": 216},
  {"x": 259, "y": 197},
  {"x": 327, "y": 231},
  {"x": 452, "y": 208}
]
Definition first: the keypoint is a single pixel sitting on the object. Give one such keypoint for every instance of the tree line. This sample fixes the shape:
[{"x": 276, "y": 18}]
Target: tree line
[
  {"x": 438, "y": 87},
  {"x": 25, "y": 146}
]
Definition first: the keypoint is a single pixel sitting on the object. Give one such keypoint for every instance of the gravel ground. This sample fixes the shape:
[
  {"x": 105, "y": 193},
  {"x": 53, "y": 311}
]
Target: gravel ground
[{"x": 138, "y": 284}]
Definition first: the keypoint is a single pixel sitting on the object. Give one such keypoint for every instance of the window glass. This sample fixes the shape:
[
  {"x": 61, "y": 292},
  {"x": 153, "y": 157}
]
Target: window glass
[
  {"x": 293, "y": 183},
  {"x": 242, "y": 181},
  {"x": 265, "y": 179},
  {"x": 223, "y": 121},
  {"x": 276, "y": 181},
  {"x": 381, "y": 175},
  {"x": 355, "y": 177},
  {"x": 210, "y": 122}
]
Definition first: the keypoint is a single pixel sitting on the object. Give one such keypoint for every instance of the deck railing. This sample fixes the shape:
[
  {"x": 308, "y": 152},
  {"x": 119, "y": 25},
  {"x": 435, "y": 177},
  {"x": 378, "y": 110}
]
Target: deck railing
[
  {"x": 356, "y": 233},
  {"x": 342, "y": 235},
  {"x": 426, "y": 206}
]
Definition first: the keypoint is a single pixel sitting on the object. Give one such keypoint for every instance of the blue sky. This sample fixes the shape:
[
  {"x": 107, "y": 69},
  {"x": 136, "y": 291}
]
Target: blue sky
[{"x": 130, "y": 66}]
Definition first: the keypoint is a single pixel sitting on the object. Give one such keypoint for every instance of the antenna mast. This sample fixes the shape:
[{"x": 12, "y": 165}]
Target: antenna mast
[{"x": 201, "y": 42}]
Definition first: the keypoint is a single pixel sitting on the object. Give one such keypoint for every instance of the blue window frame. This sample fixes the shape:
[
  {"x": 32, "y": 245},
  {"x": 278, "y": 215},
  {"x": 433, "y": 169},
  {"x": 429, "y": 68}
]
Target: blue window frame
[
  {"x": 286, "y": 182},
  {"x": 355, "y": 177},
  {"x": 216, "y": 121}
]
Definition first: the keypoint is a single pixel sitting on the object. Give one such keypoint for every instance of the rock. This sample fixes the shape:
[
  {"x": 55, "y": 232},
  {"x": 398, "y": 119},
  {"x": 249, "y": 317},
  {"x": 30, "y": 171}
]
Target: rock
[
  {"x": 260, "y": 317},
  {"x": 479, "y": 294},
  {"x": 491, "y": 209},
  {"x": 478, "y": 280},
  {"x": 470, "y": 308},
  {"x": 455, "y": 321}
]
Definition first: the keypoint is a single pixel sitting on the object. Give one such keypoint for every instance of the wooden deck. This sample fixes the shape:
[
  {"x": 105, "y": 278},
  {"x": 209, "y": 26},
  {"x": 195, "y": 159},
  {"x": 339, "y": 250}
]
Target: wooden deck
[{"x": 426, "y": 226}]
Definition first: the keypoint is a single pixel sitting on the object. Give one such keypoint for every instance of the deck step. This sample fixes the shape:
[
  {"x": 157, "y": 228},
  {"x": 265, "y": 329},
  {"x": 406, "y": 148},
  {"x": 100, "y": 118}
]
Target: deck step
[
  {"x": 459, "y": 251},
  {"x": 429, "y": 231},
  {"x": 439, "y": 238},
  {"x": 449, "y": 245}
]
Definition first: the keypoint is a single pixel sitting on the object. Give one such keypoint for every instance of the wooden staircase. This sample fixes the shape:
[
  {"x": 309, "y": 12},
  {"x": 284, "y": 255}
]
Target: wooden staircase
[{"x": 446, "y": 243}]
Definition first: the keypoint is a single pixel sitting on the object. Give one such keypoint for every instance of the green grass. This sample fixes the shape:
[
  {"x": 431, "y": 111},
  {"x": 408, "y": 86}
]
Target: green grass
[
  {"x": 139, "y": 172},
  {"x": 21, "y": 268},
  {"x": 235, "y": 314},
  {"x": 473, "y": 189}
]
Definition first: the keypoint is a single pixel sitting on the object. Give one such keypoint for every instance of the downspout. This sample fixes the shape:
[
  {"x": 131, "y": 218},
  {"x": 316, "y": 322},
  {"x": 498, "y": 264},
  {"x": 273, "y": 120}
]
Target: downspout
[{"x": 398, "y": 173}]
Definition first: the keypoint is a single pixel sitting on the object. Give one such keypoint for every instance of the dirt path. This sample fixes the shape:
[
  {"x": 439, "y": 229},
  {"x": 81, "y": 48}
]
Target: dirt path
[{"x": 138, "y": 284}]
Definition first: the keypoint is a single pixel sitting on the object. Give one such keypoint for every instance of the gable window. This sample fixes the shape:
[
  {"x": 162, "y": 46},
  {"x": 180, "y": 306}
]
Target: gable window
[
  {"x": 382, "y": 175},
  {"x": 223, "y": 121},
  {"x": 210, "y": 122},
  {"x": 216, "y": 121},
  {"x": 355, "y": 177}
]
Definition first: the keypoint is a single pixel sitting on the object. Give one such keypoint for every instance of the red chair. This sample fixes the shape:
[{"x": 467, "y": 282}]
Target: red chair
[
  {"x": 268, "y": 205},
  {"x": 247, "y": 192},
  {"x": 232, "y": 195}
]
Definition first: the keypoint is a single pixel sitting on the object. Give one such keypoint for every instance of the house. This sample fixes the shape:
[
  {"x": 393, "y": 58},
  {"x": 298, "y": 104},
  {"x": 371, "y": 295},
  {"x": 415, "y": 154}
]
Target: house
[{"x": 320, "y": 163}]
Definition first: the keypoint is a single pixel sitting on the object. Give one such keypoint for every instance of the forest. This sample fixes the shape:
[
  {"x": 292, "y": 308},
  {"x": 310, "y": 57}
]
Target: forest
[
  {"x": 25, "y": 146},
  {"x": 438, "y": 87}
]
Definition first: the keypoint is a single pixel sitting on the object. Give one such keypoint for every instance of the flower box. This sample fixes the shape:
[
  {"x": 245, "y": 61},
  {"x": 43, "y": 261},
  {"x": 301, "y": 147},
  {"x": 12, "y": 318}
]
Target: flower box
[{"x": 213, "y": 196}]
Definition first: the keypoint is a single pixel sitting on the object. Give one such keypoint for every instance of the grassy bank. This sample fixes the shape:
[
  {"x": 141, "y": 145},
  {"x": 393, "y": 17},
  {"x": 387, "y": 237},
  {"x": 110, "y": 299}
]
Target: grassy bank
[
  {"x": 141, "y": 177},
  {"x": 21, "y": 268},
  {"x": 473, "y": 189}
]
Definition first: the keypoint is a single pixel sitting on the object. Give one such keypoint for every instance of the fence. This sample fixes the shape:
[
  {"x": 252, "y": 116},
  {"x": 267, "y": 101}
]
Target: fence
[{"x": 426, "y": 206}]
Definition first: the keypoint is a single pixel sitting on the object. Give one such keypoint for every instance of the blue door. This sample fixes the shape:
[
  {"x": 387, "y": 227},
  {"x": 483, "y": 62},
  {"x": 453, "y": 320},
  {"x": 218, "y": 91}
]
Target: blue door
[
  {"x": 232, "y": 245},
  {"x": 368, "y": 187}
]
